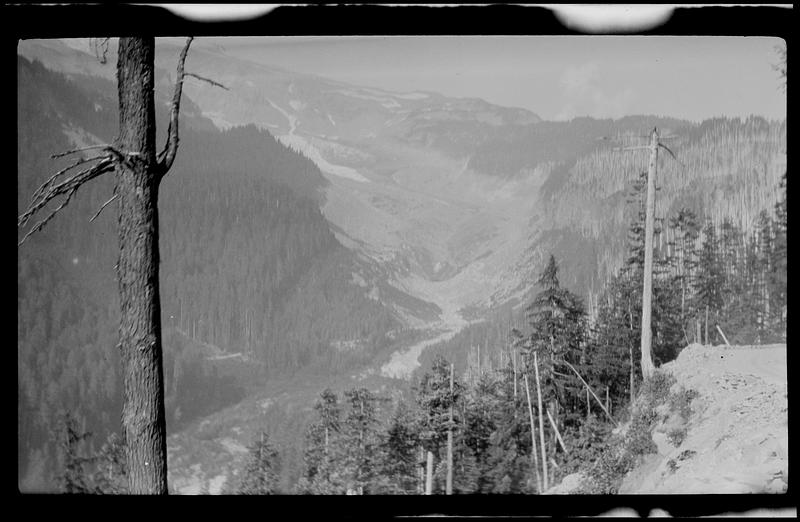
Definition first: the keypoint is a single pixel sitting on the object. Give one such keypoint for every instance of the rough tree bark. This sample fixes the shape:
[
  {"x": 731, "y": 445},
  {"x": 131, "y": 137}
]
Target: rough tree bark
[
  {"x": 138, "y": 180},
  {"x": 139, "y": 170}
]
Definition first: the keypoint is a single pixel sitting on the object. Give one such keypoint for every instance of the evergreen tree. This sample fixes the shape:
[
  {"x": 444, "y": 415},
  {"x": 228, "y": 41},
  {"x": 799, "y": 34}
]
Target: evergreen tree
[
  {"x": 262, "y": 470},
  {"x": 434, "y": 400},
  {"x": 322, "y": 449},
  {"x": 111, "y": 475},
  {"x": 777, "y": 275},
  {"x": 466, "y": 471},
  {"x": 480, "y": 422},
  {"x": 636, "y": 229},
  {"x": 509, "y": 456},
  {"x": 360, "y": 441},
  {"x": 741, "y": 273},
  {"x": 767, "y": 257},
  {"x": 684, "y": 255},
  {"x": 556, "y": 319},
  {"x": 731, "y": 252},
  {"x": 614, "y": 349},
  {"x": 398, "y": 454},
  {"x": 74, "y": 477},
  {"x": 669, "y": 334},
  {"x": 709, "y": 282},
  {"x": 743, "y": 327}
]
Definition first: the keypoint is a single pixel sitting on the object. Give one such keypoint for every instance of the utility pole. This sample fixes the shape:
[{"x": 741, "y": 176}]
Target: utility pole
[
  {"x": 650, "y": 209},
  {"x": 647, "y": 293},
  {"x": 449, "y": 483}
]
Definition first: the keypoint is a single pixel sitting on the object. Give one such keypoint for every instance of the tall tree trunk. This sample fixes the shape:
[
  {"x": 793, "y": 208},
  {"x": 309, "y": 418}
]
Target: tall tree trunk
[
  {"x": 632, "y": 383},
  {"x": 541, "y": 420},
  {"x": 449, "y": 481},
  {"x": 514, "y": 359},
  {"x": 647, "y": 292},
  {"x": 697, "y": 335},
  {"x": 630, "y": 353},
  {"x": 589, "y": 405},
  {"x": 533, "y": 436},
  {"x": 420, "y": 470},
  {"x": 137, "y": 271},
  {"x": 429, "y": 474}
]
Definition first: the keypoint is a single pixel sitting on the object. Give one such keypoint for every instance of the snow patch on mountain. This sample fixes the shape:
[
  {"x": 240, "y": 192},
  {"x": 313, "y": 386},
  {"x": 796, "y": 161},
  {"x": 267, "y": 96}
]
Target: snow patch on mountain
[
  {"x": 297, "y": 105},
  {"x": 411, "y": 96},
  {"x": 385, "y": 101},
  {"x": 302, "y": 145}
]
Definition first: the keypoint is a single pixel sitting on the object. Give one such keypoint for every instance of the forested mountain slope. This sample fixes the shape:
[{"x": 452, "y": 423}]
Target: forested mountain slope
[
  {"x": 457, "y": 200},
  {"x": 724, "y": 169},
  {"x": 249, "y": 266}
]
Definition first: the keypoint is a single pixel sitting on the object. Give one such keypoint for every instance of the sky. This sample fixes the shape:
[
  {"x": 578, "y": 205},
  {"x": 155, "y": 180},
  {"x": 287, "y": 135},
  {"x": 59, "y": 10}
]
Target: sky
[{"x": 556, "y": 77}]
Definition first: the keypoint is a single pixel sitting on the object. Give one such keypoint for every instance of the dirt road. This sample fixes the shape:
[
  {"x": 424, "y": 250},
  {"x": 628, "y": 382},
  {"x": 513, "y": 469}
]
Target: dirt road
[{"x": 737, "y": 436}]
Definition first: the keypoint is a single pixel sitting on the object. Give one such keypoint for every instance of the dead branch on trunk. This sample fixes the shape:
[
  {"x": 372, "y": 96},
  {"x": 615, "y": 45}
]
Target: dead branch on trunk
[
  {"x": 104, "y": 146},
  {"x": 48, "y": 191},
  {"x": 167, "y": 156},
  {"x": 39, "y": 191},
  {"x": 207, "y": 80},
  {"x": 671, "y": 153}
]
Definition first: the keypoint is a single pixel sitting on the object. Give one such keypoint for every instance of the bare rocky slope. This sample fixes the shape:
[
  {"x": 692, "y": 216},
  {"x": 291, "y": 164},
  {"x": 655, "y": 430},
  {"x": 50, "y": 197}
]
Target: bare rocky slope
[{"x": 734, "y": 440}]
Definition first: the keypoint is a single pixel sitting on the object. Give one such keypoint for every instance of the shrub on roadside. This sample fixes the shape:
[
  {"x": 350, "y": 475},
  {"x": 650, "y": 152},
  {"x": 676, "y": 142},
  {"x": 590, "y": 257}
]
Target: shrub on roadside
[
  {"x": 622, "y": 452},
  {"x": 586, "y": 444},
  {"x": 681, "y": 402}
]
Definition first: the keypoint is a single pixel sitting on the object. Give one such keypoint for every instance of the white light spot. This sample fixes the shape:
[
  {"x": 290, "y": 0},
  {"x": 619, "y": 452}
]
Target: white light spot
[
  {"x": 74, "y": 260},
  {"x": 612, "y": 18},
  {"x": 217, "y": 12}
]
